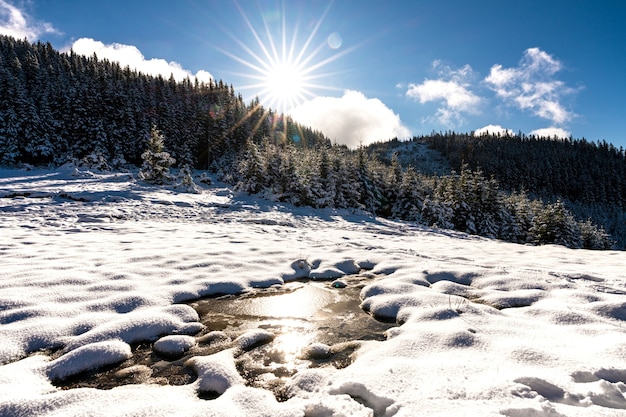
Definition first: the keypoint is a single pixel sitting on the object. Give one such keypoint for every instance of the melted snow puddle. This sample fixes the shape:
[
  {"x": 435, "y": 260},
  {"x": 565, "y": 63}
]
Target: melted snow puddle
[{"x": 295, "y": 326}]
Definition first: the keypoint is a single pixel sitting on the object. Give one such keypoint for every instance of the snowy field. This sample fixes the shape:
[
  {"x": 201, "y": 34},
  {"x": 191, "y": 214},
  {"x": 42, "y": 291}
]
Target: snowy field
[{"x": 91, "y": 264}]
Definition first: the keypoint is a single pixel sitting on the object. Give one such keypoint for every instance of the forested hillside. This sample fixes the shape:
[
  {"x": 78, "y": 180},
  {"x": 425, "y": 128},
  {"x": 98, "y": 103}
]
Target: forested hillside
[
  {"x": 57, "y": 108},
  {"x": 60, "y": 107},
  {"x": 576, "y": 170},
  {"x": 589, "y": 177}
]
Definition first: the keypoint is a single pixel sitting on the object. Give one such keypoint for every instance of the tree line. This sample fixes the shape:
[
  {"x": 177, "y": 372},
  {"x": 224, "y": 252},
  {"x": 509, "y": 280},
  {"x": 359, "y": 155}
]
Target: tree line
[
  {"x": 578, "y": 170},
  {"x": 588, "y": 177},
  {"x": 468, "y": 201}
]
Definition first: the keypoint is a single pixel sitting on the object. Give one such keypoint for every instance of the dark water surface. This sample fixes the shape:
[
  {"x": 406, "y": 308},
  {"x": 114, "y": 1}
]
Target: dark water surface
[{"x": 299, "y": 314}]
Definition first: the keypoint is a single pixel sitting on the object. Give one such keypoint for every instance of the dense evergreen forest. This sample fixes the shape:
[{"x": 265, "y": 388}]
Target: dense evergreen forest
[
  {"x": 61, "y": 107},
  {"x": 577, "y": 170},
  {"x": 57, "y": 108},
  {"x": 588, "y": 177}
]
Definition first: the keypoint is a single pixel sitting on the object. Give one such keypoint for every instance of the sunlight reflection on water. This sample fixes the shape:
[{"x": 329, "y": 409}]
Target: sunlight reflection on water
[
  {"x": 290, "y": 315},
  {"x": 303, "y": 302},
  {"x": 299, "y": 315}
]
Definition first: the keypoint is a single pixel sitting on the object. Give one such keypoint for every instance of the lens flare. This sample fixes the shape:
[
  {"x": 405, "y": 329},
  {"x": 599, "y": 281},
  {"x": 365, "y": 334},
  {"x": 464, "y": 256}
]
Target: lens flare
[
  {"x": 334, "y": 40},
  {"x": 285, "y": 71}
]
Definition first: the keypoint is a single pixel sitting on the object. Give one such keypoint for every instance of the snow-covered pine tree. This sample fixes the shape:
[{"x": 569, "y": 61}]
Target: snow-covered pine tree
[
  {"x": 371, "y": 198},
  {"x": 437, "y": 209},
  {"x": 97, "y": 160},
  {"x": 314, "y": 183},
  {"x": 555, "y": 224},
  {"x": 328, "y": 180},
  {"x": 410, "y": 199},
  {"x": 185, "y": 180},
  {"x": 491, "y": 212},
  {"x": 348, "y": 190},
  {"x": 280, "y": 171},
  {"x": 594, "y": 237},
  {"x": 156, "y": 162},
  {"x": 393, "y": 185},
  {"x": 517, "y": 217},
  {"x": 251, "y": 170}
]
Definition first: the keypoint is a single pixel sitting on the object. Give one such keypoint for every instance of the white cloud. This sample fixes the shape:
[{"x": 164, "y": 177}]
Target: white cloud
[
  {"x": 456, "y": 96},
  {"x": 499, "y": 77},
  {"x": 493, "y": 130},
  {"x": 539, "y": 61},
  {"x": 352, "y": 119},
  {"x": 128, "y": 55},
  {"x": 17, "y": 23},
  {"x": 452, "y": 90},
  {"x": 531, "y": 86},
  {"x": 550, "y": 132}
]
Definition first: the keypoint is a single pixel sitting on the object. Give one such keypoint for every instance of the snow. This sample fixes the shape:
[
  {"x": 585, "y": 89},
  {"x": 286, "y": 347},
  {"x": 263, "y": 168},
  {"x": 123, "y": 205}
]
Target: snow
[
  {"x": 93, "y": 263},
  {"x": 88, "y": 357},
  {"x": 216, "y": 373},
  {"x": 174, "y": 345},
  {"x": 317, "y": 351},
  {"x": 254, "y": 338}
]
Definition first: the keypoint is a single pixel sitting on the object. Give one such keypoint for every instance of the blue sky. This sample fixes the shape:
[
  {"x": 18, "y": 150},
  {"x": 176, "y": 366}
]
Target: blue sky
[{"x": 362, "y": 70}]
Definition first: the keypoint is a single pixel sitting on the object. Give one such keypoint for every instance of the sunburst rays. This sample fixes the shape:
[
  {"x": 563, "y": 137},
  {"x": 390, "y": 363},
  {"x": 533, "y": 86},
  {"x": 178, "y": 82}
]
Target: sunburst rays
[{"x": 282, "y": 69}]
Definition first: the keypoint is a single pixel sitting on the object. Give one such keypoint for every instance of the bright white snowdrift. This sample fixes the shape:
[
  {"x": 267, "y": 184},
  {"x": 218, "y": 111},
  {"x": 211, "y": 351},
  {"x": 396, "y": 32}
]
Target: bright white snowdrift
[
  {"x": 92, "y": 263},
  {"x": 216, "y": 373},
  {"x": 88, "y": 357},
  {"x": 174, "y": 345}
]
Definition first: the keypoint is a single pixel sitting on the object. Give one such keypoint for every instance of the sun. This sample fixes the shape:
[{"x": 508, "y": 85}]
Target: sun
[
  {"x": 285, "y": 85},
  {"x": 283, "y": 67}
]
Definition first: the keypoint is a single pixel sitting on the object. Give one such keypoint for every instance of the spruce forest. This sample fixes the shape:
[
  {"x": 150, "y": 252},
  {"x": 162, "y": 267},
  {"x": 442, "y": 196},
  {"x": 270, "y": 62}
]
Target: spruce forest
[{"x": 58, "y": 108}]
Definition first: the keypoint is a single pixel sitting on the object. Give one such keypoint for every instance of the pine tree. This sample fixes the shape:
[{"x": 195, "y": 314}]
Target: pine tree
[
  {"x": 594, "y": 237},
  {"x": 555, "y": 224},
  {"x": 328, "y": 180},
  {"x": 350, "y": 186},
  {"x": 251, "y": 170},
  {"x": 156, "y": 162},
  {"x": 437, "y": 209},
  {"x": 409, "y": 202},
  {"x": 185, "y": 180},
  {"x": 371, "y": 198}
]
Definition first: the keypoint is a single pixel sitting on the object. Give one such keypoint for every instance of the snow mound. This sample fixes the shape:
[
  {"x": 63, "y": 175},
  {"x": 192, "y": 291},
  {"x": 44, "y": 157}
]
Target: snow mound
[
  {"x": 89, "y": 357},
  {"x": 146, "y": 325},
  {"x": 387, "y": 303},
  {"x": 240, "y": 400},
  {"x": 125, "y": 303},
  {"x": 380, "y": 406},
  {"x": 337, "y": 406},
  {"x": 214, "y": 337},
  {"x": 326, "y": 273},
  {"x": 308, "y": 381},
  {"x": 174, "y": 345},
  {"x": 254, "y": 338},
  {"x": 300, "y": 269},
  {"x": 390, "y": 286},
  {"x": 317, "y": 351},
  {"x": 601, "y": 393},
  {"x": 509, "y": 299},
  {"x": 335, "y": 270},
  {"x": 24, "y": 379},
  {"x": 216, "y": 373}
]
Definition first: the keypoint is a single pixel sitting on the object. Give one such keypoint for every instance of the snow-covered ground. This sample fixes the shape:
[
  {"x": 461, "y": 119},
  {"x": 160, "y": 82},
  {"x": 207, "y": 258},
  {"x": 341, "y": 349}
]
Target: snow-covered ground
[{"x": 92, "y": 263}]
